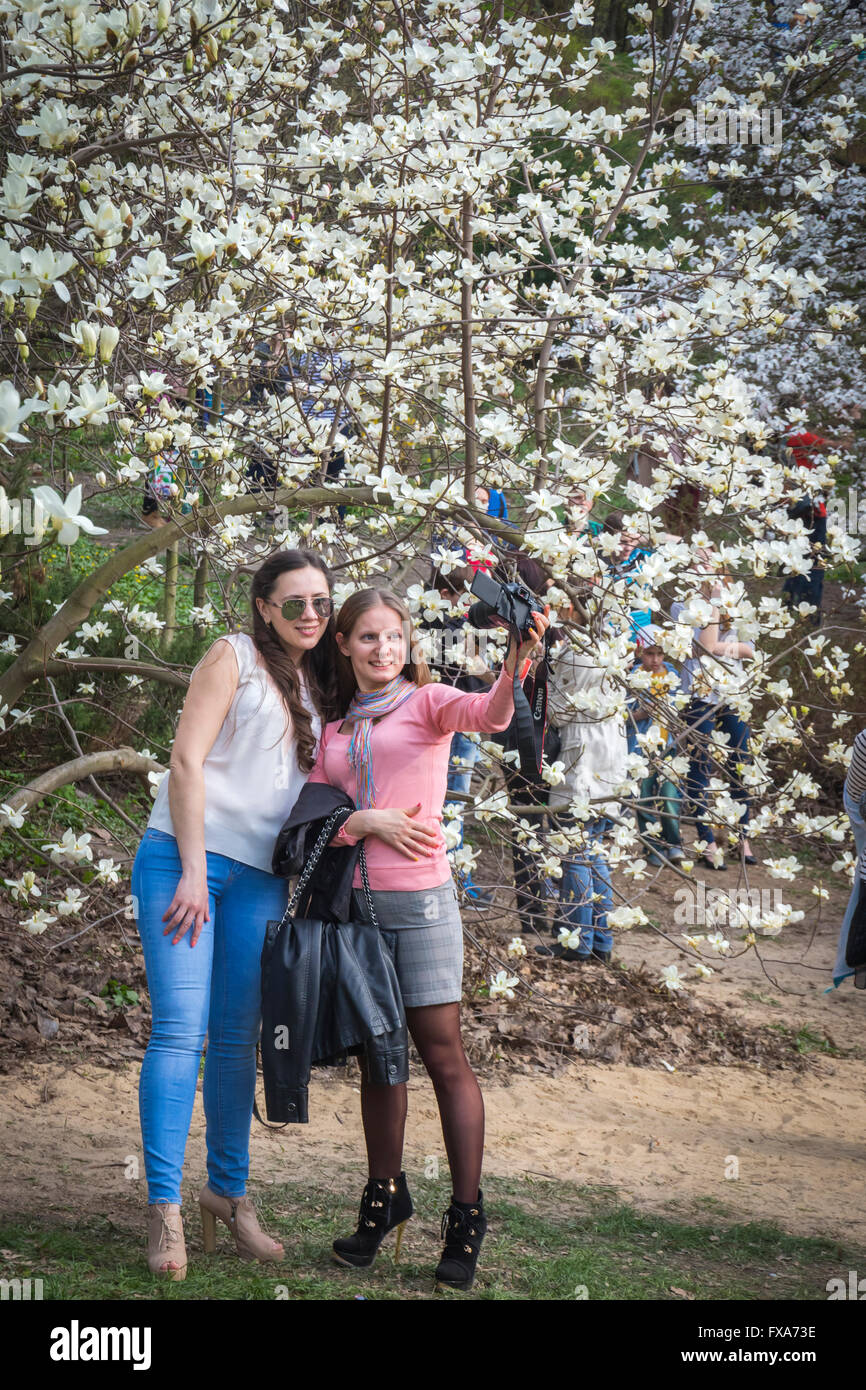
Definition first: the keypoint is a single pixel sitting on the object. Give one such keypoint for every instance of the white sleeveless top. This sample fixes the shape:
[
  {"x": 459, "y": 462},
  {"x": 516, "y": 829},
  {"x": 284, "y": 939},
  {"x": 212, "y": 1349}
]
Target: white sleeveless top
[{"x": 251, "y": 775}]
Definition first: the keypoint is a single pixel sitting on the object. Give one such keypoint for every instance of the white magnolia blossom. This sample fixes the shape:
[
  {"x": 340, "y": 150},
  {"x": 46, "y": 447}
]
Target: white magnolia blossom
[
  {"x": 107, "y": 872},
  {"x": 435, "y": 211},
  {"x": 24, "y": 887},
  {"x": 38, "y": 922},
  {"x": 70, "y": 848},
  {"x": 502, "y": 985},
  {"x": 66, "y": 516},
  {"x": 671, "y": 978},
  {"x": 71, "y": 903}
]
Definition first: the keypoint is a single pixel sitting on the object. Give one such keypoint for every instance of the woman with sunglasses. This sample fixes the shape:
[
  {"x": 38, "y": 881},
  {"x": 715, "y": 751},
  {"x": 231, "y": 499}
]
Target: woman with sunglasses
[{"x": 203, "y": 892}]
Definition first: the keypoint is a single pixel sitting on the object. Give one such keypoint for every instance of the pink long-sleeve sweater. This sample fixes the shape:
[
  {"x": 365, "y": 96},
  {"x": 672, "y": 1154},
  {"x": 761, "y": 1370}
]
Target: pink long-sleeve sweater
[{"x": 410, "y": 749}]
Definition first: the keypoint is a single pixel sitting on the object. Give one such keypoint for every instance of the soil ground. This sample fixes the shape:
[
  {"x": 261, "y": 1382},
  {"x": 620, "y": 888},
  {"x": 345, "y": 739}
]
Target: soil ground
[{"x": 744, "y": 1100}]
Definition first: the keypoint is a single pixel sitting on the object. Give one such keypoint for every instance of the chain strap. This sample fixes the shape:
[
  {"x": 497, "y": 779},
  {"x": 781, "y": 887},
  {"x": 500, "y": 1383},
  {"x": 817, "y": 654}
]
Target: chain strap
[
  {"x": 340, "y": 815},
  {"x": 368, "y": 897}
]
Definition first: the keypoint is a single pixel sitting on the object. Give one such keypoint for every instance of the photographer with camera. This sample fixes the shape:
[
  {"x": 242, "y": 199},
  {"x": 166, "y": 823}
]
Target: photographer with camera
[
  {"x": 464, "y": 750},
  {"x": 528, "y": 734}
]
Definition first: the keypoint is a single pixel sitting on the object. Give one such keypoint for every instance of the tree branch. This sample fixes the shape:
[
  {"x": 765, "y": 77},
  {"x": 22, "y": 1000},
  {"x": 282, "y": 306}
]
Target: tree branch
[{"x": 78, "y": 769}]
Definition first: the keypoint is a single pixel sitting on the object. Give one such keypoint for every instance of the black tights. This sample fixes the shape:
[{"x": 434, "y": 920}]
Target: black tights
[{"x": 435, "y": 1032}]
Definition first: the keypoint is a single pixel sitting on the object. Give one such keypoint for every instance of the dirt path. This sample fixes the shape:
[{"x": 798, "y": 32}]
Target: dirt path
[{"x": 664, "y": 1140}]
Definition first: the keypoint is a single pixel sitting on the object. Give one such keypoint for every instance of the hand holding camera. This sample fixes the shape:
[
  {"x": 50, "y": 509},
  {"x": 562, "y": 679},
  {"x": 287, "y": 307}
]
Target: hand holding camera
[
  {"x": 518, "y": 609},
  {"x": 513, "y": 606},
  {"x": 533, "y": 639}
]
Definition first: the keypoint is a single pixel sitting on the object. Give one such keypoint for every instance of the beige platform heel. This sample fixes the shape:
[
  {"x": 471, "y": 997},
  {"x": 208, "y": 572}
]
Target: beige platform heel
[
  {"x": 165, "y": 1243},
  {"x": 239, "y": 1215}
]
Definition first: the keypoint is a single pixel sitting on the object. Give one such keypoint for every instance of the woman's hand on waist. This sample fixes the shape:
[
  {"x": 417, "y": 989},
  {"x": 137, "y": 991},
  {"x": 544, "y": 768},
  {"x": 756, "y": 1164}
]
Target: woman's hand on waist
[
  {"x": 189, "y": 908},
  {"x": 398, "y": 829}
]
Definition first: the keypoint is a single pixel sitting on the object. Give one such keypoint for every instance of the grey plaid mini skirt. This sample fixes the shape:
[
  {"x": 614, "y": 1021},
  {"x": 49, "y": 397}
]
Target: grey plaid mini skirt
[{"x": 425, "y": 935}]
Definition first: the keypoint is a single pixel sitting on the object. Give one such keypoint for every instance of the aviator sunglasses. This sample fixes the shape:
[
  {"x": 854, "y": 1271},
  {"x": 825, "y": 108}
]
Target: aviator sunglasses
[{"x": 294, "y": 608}]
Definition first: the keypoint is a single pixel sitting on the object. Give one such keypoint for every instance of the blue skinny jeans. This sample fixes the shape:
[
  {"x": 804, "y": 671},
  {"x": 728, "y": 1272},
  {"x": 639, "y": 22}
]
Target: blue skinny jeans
[
  {"x": 584, "y": 879},
  {"x": 211, "y": 988}
]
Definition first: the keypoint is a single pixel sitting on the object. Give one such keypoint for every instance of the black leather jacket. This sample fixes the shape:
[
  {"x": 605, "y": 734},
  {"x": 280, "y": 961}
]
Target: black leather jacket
[
  {"x": 329, "y": 987},
  {"x": 329, "y": 890}
]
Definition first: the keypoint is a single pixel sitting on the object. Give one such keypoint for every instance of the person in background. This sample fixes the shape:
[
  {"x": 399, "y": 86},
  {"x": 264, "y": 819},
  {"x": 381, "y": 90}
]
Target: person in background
[
  {"x": 204, "y": 400},
  {"x": 680, "y": 510},
  {"x": 626, "y": 561},
  {"x": 159, "y": 487},
  {"x": 706, "y": 713},
  {"x": 493, "y": 501},
  {"x": 528, "y": 789},
  {"x": 497, "y": 506},
  {"x": 854, "y": 801},
  {"x": 321, "y": 375},
  {"x": 271, "y": 374},
  {"x": 659, "y": 798},
  {"x": 464, "y": 750},
  {"x": 801, "y": 446},
  {"x": 160, "y": 483},
  {"x": 578, "y": 518},
  {"x": 594, "y": 749}
]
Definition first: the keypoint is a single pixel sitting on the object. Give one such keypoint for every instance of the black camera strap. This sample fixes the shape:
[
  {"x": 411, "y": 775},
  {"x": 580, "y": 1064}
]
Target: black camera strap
[{"x": 530, "y": 712}]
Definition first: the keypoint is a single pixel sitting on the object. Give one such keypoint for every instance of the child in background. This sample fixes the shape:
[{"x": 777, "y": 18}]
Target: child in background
[
  {"x": 159, "y": 486},
  {"x": 659, "y": 798}
]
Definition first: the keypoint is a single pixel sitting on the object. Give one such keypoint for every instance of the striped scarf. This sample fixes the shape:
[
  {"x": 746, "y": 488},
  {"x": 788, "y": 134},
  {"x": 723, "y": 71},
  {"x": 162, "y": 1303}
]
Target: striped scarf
[{"x": 365, "y": 707}]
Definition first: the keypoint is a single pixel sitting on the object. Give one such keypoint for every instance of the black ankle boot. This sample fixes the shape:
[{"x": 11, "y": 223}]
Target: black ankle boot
[
  {"x": 385, "y": 1204},
  {"x": 464, "y": 1227}
]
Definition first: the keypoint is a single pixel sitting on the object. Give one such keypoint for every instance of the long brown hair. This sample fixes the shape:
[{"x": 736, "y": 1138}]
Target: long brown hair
[
  {"x": 355, "y": 607},
  {"x": 319, "y": 665}
]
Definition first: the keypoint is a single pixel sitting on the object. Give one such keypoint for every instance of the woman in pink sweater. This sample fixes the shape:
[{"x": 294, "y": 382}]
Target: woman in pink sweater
[{"x": 390, "y": 753}]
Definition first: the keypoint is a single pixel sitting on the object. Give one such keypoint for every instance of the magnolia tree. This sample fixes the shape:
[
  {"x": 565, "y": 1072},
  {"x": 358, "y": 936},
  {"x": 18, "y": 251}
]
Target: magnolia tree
[
  {"x": 477, "y": 270},
  {"x": 802, "y": 69}
]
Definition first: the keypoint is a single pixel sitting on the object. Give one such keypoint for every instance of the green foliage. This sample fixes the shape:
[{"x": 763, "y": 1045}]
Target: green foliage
[
  {"x": 118, "y": 995},
  {"x": 808, "y": 1039}
]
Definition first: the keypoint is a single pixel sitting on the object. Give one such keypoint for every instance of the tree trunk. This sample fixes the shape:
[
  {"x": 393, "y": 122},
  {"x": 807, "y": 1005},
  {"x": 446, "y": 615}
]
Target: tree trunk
[
  {"x": 170, "y": 614},
  {"x": 471, "y": 444}
]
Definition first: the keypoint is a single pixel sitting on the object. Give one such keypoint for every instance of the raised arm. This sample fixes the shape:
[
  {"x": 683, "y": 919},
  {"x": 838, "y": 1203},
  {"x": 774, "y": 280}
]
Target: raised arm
[{"x": 489, "y": 711}]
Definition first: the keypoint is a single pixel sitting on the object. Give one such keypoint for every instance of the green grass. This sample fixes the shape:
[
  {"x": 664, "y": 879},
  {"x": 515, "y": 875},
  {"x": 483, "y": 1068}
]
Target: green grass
[
  {"x": 548, "y": 1241},
  {"x": 760, "y": 998},
  {"x": 808, "y": 1039}
]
